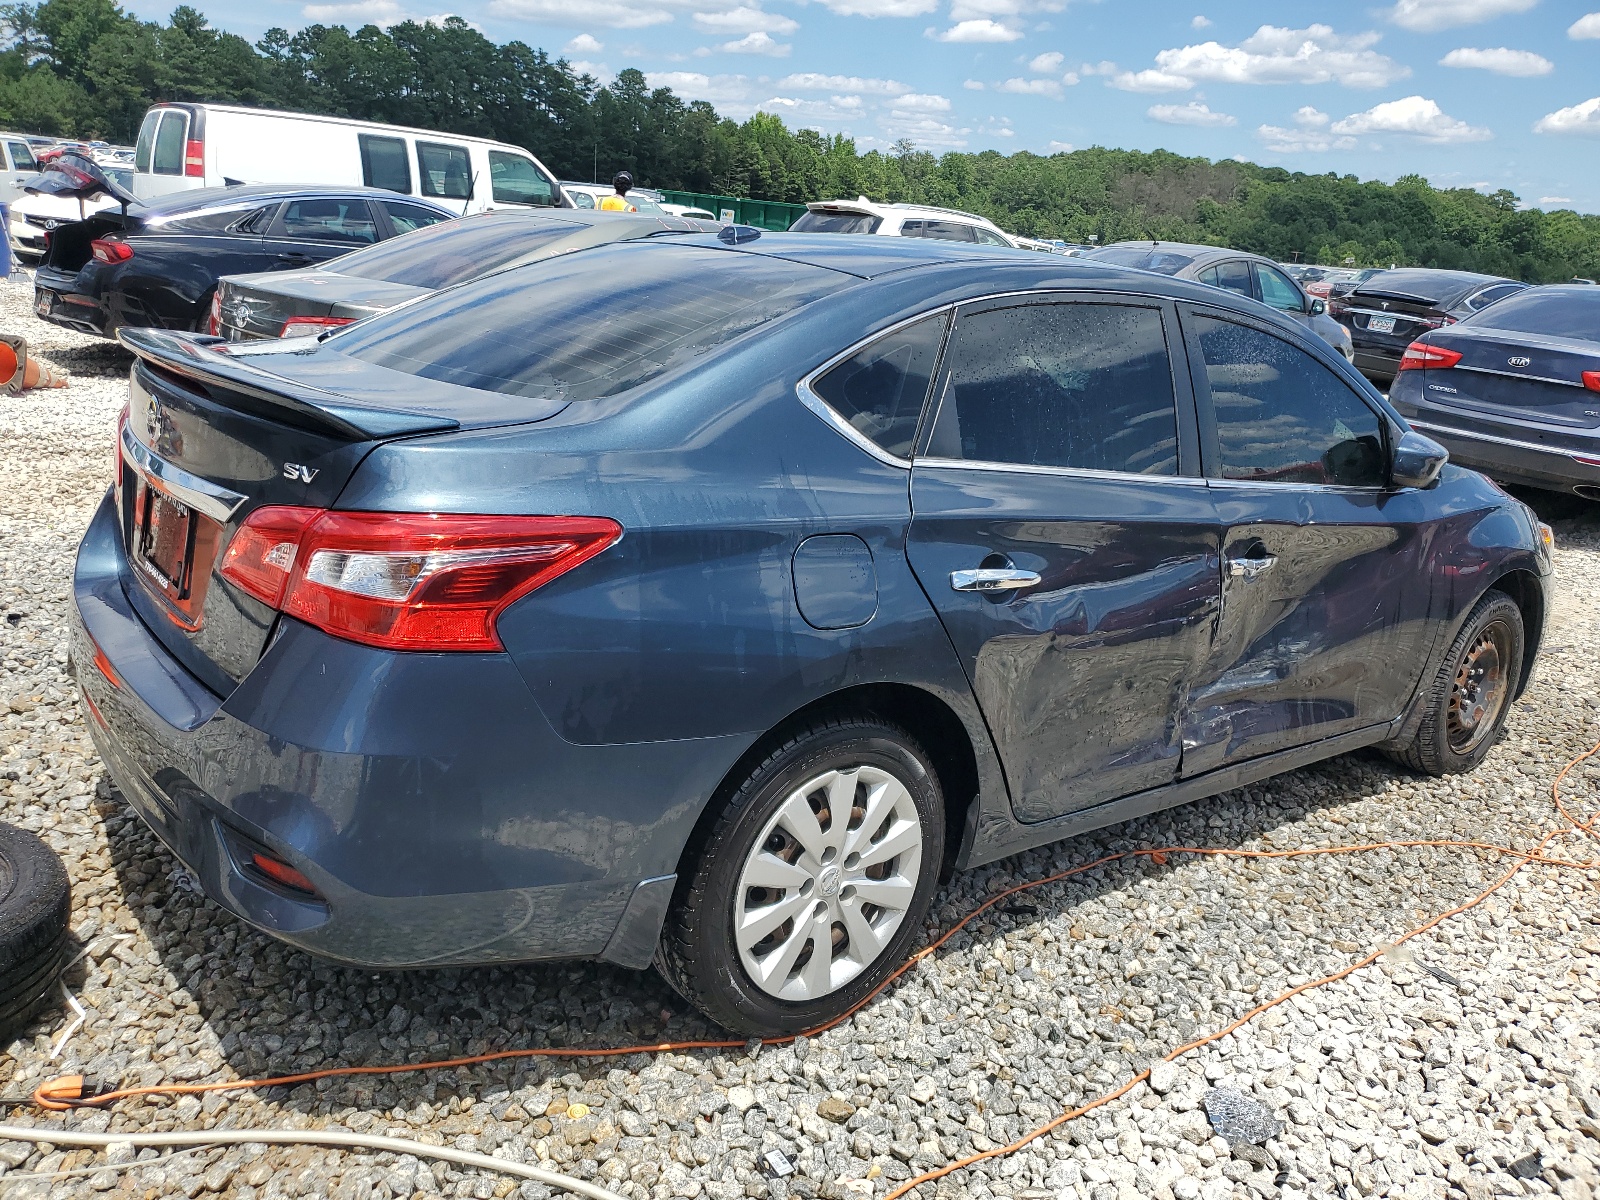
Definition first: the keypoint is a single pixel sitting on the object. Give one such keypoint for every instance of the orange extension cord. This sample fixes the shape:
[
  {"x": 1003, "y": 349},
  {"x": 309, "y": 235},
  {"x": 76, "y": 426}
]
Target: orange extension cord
[{"x": 66, "y": 1093}]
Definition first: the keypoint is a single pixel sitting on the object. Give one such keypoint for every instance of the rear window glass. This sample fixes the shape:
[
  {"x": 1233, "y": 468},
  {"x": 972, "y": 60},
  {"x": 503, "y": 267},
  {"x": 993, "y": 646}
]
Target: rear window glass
[
  {"x": 549, "y": 331},
  {"x": 1568, "y": 313},
  {"x": 169, "y": 145},
  {"x": 1166, "y": 262},
  {"x": 447, "y": 254},
  {"x": 817, "y": 222}
]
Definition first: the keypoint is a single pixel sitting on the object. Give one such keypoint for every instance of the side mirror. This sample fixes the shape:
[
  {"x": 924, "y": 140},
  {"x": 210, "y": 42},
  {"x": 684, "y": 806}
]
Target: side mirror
[
  {"x": 1416, "y": 461},
  {"x": 1318, "y": 307}
]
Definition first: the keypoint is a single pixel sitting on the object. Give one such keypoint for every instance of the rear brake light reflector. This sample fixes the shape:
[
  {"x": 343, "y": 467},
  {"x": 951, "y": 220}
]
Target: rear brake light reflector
[
  {"x": 1591, "y": 380},
  {"x": 109, "y": 250},
  {"x": 1420, "y": 355},
  {"x": 303, "y": 326},
  {"x": 194, "y": 159},
  {"x": 406, "y": 581},
  {"x": 214, "y": 321},
  {"x": 282, "y": 873}
]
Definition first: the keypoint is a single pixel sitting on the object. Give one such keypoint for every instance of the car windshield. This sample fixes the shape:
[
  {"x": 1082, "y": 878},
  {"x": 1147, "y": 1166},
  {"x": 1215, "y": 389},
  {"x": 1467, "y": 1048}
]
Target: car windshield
[
  {"x": 453, "y": 252},
  {"x": 548, "y": 331},
  {"x": 1165, "y": 262},
  {"x": 1563, "y": 312},
  {"x": 828, "y": 222}
]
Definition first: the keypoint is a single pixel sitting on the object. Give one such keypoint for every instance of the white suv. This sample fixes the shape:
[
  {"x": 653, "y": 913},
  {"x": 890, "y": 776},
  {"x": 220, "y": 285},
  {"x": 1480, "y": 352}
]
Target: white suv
[{"x": 900, "y": 220}]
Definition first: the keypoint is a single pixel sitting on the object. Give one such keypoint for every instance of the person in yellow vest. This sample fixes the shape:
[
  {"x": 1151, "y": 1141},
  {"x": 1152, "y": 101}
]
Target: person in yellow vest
[{"x": 618, "y": 202}]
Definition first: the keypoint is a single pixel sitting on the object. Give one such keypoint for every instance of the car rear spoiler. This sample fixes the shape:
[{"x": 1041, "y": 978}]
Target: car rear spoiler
[
  {"x": 196, "y": 359},
  {"x": 1407, "y": 297}
]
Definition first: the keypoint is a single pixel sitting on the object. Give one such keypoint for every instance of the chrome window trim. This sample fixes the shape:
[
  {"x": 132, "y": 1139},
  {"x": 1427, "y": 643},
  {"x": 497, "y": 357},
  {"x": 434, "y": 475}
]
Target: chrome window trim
[
  {"x": 1514, "y": 443},
  {"x": 975, "y": 464},
  {"x": 217, "y": 502},
  {"x": 1518, "y": 375}
]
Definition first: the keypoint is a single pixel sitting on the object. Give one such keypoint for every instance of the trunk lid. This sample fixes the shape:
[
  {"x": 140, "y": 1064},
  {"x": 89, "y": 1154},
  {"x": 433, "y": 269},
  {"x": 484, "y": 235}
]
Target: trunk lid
[
  {"x": 1518, "y": 375},
  {"x": 210, "y": 437},
  {"x": 256, "y": 306}
]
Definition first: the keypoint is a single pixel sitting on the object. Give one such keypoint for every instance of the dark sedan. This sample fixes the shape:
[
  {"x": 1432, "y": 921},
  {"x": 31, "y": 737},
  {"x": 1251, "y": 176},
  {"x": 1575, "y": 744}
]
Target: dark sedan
[
  {"x": 1388, "y": 311},
  {"x": 157, "y": 264},
  {"x": 1514, "y": 390},
  {"x": 291, "y": 303},
  {"x": 698, "y": 600}
]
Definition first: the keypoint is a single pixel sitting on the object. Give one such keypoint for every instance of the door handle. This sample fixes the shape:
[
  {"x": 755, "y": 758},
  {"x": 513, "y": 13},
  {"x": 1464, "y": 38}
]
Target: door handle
[
  {"x": 993, "y": 579},
  {"x": 1249, "y": 568}
]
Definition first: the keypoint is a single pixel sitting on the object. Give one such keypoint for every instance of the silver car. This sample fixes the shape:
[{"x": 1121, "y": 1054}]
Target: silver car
[{"x": 1251, "y": 275}]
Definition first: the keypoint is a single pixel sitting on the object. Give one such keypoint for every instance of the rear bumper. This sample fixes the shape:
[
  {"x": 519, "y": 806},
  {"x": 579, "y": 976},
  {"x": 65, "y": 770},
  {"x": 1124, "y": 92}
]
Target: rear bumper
[
  {"x": 1510, "y": 459},
  {"x": 55, "y": 299},
  {"x": 441, "y": 819}
]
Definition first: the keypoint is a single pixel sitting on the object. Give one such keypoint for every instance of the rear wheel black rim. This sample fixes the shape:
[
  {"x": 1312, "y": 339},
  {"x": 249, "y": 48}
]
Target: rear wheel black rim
[{"x": 1480, "y": 689}]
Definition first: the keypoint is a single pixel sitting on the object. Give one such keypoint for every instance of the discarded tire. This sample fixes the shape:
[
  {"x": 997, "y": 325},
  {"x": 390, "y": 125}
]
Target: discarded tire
[{"x": 35, "y": 903}]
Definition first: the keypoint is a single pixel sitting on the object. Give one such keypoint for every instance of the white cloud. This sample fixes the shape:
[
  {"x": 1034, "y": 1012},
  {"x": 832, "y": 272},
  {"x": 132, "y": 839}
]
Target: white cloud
[
  {"x": 977, "y": 31},
  {"x": 917, "y": 102},
  {"x": 744, "y": 19},
  {"x": 1271, "y": 54},
  {"x": 1099, "y": 68},
  {"x": 881, "y": 8},
  {"x": 1585, "y": 27},
  {"x": 731, "y": 90},
  {"x": 1044, "y": 64},
  {"x": 582, "y": 66},
  {"x": 1581, "y": 119},
  {"x": 811, "y": 82},
  {"x": 1031, "y": 87},
  {"x": 972, "y": 85},
  {"x": 584, "y": 44},
  {"x": 1555, "y": 199},
  {"x": 1309, "y": 118},
  {"x": 1415, "y": 116},
  {"x": 1059, "y": 147},
  {"x": 1501, "y": 61},
  {"x": 1279, "y": 140},
  {"x": 1200, "y": 23},
  {"x": 1430, "y": 16},
  {"x": 754, "y": 43},
  {"x": 367, "y": 12},
  {"x": 1192, "y": 113},
  {"x": 613, "y": 14}
]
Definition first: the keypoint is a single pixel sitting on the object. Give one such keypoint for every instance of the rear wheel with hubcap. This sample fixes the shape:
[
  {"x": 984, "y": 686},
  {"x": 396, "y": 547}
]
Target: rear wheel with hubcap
[{"x": 806, "y": 888}]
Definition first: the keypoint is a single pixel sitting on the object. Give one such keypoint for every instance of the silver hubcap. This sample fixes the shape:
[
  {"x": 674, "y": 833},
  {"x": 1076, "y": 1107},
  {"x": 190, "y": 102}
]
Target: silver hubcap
[{"x": 828, "y": 882}]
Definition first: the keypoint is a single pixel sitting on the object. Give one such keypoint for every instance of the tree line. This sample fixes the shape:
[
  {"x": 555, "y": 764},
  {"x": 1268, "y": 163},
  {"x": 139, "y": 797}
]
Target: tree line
[{"x": 87, "y": 68}]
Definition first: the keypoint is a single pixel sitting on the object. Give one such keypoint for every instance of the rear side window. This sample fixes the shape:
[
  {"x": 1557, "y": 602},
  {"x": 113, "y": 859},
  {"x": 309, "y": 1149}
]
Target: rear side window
[
  {"x": 1283, "y": 417},
  {"x": 168, "y": 156},
  {"x": 456, "y": 251},
  {"x": 948, "y": 231},
  {"x": 546, "y": 331},
  {"x": 1567, "y": 312},
  {"x": 407, "y": 218},
  {"x": 22, "y": 157},
  {"x": 147, "y": 141},
  {"x": 516, "y": 180},
  {"x": 384, "y": 163},
  {"x": 444, "y": 171},
  {"x": 1229, "y": 276},
  {"x": 880, "y": 390},
  {"x": 989, "y": 238},
  {"x": 1085, "y": 386},
  {"x": 329, "y": 219},
  {"x": 818, "y": 222}
]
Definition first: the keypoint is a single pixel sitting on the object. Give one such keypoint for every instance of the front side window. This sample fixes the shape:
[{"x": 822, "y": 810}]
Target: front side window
[
  {"x": 1085, "y": 386},
  {"x": 880, "y": 390},
  {"x": 515, "y": 180},
  {"x": 384, "y": 163},
  {"x": 580, "y": 199},
  {"x": 444, "y": 171},
  {"x": 989, "y": 238},
  {"x": 1276, "y": 290},
  {"x": 168, "y": 156},
  {"x": 1230, "y": 277},
  {"x": 22, "y": 157},
  {"x": 330, "y": 219},
  {"x": 1282, "y": 416}
]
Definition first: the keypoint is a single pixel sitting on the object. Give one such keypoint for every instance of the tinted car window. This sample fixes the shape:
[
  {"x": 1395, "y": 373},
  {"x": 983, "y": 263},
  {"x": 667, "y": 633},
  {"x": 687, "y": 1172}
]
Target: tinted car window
[
  {"x": 949, "y": 231},
  {"x": 1167, "y": 262},
  {"x": 1060, "y": 385},
  {"x": 816, "y": 222},
  {"x": 880, "y": 389},
  {"x": 455, "y": 251},
  {"x": 1282, "y": 416},
  {"x": 384, "y": 163},
  {"x": 168, "y": 156},
  {"x": 547, "y": 331},
  {"x": 1568, "y": 312},
  {"x": 329, "y": 219},
  {"x": 22, "y": 156},
  {"x": 1276, "y": 290},
  {"x": 988, "y": 238},
  {"x": 444, "y": 171},
  {"x": 147, "y": 139},
  {"x": 406, "y": 218},
  {"x": 1231, "y": 276},
  {"x": 517, "y": 181},
  {"x": 1490, "y": 295}
]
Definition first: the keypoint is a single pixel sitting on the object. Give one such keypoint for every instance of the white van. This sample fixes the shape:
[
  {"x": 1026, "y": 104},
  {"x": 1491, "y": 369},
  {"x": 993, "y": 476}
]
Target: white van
[{"x": 184, "y": 146}]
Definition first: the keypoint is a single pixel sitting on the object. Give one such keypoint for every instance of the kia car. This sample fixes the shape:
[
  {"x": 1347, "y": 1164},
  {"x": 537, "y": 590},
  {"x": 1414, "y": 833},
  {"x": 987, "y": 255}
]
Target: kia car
[
  {"x": 1389, "y": 310},
  {"x": 1514, "y": 390},
  {"x": 537, "y": 619}
]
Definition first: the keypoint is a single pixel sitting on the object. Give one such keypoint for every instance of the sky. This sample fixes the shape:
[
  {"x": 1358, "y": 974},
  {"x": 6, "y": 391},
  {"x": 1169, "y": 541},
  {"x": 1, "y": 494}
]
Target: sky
[{"x": 1468, "y": 93}]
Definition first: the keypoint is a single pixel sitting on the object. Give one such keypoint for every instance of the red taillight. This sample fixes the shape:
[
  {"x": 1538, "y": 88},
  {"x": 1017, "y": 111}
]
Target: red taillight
[
  {"x": 1336, "y": 305},
  {"x": 109, "y": 250},
  {"x": 1437, "y": 322},
  {"x": 1591, "y": 380},
  {"x": 194, "y": 159},
  {"x": 214, "y": 321},
  {"x": 406, "y": 581},
  {"x": 301, "y": 326},
  {"x": 282, "y": 873},
  {"x": 116, "y": 456},
  {"x": 1420, "y": 356}
]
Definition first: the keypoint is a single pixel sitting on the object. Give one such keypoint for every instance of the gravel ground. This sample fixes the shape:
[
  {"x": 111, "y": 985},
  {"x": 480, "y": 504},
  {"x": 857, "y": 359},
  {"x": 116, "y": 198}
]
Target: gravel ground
[{"x": 1461, "y": 1065}]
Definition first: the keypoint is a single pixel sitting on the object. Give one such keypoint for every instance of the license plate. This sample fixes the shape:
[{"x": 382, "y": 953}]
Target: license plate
[
  {"x": 1380, "y": 324},
  {"x": 164, "y": 542},
  {"x": 42, "y": 303}
]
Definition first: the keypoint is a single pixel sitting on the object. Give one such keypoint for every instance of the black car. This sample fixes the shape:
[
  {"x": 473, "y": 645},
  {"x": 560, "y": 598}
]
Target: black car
[
  {"x": 1514, "y": 391},
  {"x": 156, "y": 264},
  {"x": 294, "y": 303},
  {"x": 1389, "y": 311}
]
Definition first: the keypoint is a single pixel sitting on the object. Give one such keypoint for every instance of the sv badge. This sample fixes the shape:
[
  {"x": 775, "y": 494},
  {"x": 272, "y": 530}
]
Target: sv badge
[{"x": 296, "y": 471}]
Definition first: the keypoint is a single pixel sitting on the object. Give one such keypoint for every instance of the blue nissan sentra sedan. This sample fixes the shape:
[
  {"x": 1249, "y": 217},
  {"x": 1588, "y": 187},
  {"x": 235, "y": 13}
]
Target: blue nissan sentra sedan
[{"x": 702, "y": 602}]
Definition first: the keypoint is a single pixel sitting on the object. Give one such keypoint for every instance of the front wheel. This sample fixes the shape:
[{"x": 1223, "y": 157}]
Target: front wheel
[
  {"x": 1470, "y": 698},
  {"x": 809, "y": 885}
]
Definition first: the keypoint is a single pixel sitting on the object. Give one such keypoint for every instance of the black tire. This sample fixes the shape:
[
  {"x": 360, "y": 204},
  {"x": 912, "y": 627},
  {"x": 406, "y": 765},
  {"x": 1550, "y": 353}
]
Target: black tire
[
  {"x": 35, "y": 904},
  {"x": 1486, "y": 654},
  {"x": 698, "y": 955}
]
